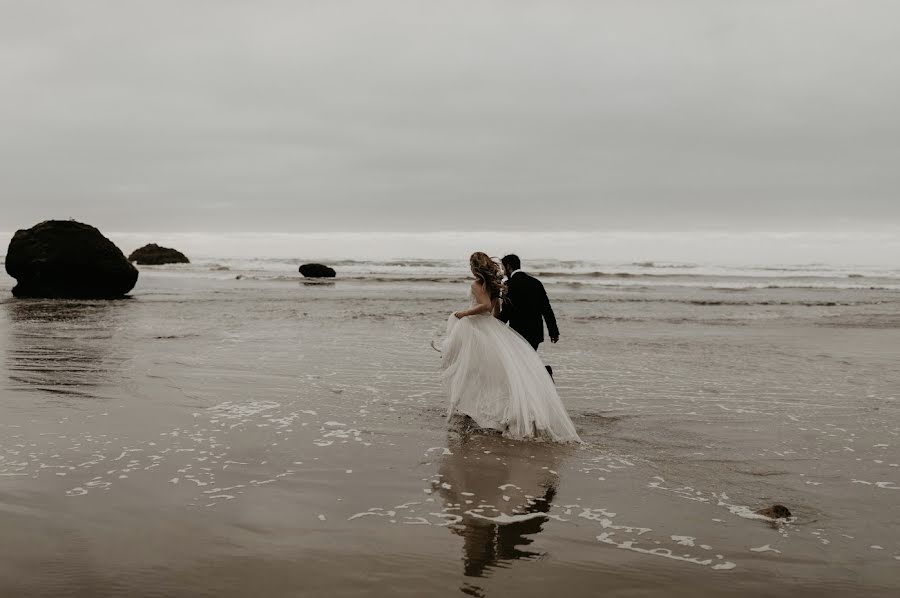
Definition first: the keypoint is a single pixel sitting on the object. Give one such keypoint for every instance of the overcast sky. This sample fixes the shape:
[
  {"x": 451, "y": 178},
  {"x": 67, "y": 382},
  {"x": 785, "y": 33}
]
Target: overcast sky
[{"x": 219, "y": 115}]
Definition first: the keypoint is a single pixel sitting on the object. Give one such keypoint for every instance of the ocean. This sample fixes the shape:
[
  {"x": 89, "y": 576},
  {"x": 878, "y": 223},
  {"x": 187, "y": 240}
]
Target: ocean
[
  {"x": 233, "y": 429},
  {"x": 562, "y": 272}
]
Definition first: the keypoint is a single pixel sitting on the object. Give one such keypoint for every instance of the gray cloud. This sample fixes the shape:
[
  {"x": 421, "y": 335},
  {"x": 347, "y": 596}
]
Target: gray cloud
[{"x": 642, "y": 115}]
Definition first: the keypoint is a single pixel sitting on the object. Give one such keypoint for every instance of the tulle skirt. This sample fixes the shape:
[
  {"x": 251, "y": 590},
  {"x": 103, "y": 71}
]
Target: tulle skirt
[{"x": 494, "y": 376}]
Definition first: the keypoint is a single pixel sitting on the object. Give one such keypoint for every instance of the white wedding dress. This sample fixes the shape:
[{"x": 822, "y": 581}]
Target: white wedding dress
[{"x": 494, "y": 376}]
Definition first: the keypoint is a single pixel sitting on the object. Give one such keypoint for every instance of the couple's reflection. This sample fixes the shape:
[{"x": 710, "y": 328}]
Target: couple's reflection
[{"x": 503, "y": 491}]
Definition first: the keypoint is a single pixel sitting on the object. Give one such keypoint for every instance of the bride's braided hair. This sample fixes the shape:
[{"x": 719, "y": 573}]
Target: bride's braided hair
[{"x": 489, "y": 273}]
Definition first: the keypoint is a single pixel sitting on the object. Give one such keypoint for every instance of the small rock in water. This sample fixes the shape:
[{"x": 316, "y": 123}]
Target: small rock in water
[
  {"x": 317, "y": 271},
  {"x": 775, "y": 512}
]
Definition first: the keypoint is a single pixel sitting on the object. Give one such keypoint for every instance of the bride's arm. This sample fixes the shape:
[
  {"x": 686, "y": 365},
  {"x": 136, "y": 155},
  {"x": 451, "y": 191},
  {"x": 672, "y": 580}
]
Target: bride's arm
[{"x": 482, "y": 305}]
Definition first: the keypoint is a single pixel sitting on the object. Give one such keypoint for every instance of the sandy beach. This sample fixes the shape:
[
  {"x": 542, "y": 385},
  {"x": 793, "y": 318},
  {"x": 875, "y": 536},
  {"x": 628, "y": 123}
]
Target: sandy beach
[{"x": 216, "y": 436}]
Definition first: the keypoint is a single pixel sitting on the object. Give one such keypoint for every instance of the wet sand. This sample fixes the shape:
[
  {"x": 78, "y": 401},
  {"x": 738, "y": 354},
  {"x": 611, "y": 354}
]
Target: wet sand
[{"x": 233, "y": 438}]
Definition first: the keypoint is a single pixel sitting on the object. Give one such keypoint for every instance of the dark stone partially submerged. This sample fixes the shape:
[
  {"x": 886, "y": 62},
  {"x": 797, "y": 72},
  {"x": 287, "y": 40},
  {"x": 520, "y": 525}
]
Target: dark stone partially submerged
[
  {"x": 68, "y": 259},
  {"x": 775, "y": 512},
  {"x": 317, "y": 271},
  {"x": 154, "y": 255}
]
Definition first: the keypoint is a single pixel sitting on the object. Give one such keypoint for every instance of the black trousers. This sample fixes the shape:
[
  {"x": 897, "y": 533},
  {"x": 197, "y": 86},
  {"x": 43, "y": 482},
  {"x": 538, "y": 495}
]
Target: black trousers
[{"x": 534, "y": 345}]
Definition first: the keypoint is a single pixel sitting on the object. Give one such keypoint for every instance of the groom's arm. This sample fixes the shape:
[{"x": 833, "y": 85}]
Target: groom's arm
[
  {"x": 505, "y": 311},
  {"x": 506, "y": 305},
  {"x": 549, "y": 316}
]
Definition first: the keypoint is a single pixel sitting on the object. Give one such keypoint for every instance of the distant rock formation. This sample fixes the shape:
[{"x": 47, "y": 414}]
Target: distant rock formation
[
  {"x": 154, "y": 255},
  {"x": 317, "y": 271},
  {"x": 64, "y": 259},
  {"x": 775, "y": 512}
]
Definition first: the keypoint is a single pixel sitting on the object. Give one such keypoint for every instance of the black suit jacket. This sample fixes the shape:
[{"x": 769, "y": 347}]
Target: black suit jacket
[{"x": 527, "y": 308}]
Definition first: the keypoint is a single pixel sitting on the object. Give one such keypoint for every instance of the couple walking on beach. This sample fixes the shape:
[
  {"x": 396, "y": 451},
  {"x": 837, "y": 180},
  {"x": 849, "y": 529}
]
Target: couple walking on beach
[{"x": 490, "y": 366}]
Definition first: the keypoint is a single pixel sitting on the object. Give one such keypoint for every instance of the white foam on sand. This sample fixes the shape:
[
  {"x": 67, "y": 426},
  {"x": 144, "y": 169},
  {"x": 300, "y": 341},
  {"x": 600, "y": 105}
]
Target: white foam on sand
[
  {"x": 607, "y": 538},
  {"x": 504, "y": 518},
  {"x": 416, "y": 521},
  {"x": 364, "y": 514},
  {"x": 719, "y": 500},
  {"x": 233, "y": 410},
  {"x": 882, "y": 485}
]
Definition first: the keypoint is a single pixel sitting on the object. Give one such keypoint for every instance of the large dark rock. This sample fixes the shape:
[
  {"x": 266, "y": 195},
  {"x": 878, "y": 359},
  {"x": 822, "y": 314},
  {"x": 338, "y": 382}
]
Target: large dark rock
[
  {"x": 317, "y": 271},
  {"x": 154, "y": 255},
  {"x": 68, "y": 259}
]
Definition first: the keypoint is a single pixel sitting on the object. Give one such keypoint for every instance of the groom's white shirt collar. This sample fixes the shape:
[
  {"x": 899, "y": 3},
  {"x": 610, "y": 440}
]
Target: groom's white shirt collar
[{"x": 513, "y": 273}]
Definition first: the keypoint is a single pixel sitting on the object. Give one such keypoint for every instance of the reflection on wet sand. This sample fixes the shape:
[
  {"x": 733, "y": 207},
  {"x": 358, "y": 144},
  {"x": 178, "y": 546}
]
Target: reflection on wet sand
[
  {"x": 503, "y": 491},
  {"x": 61, "y": 347}
]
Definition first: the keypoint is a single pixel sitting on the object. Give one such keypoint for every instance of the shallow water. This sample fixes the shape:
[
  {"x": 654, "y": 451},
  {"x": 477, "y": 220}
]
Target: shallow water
[{"x": 221, "y": 437}]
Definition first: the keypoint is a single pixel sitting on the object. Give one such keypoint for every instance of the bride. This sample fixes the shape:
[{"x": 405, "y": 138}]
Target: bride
[{"x": 492, "y": 374}]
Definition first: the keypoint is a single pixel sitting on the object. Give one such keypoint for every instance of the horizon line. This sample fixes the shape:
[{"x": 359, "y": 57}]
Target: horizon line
[{"x": 629, "y": 231}]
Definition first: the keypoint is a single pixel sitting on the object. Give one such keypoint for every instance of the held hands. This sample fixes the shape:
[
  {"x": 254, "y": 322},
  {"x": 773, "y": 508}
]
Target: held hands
[{"x": 554, "y": 339}]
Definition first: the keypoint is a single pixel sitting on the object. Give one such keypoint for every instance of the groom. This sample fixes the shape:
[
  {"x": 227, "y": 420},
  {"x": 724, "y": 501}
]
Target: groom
[{"x": 528, "y": 306}]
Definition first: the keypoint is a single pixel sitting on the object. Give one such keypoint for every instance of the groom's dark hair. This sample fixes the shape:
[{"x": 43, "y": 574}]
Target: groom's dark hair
[{"x": 511, "y": 261}]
